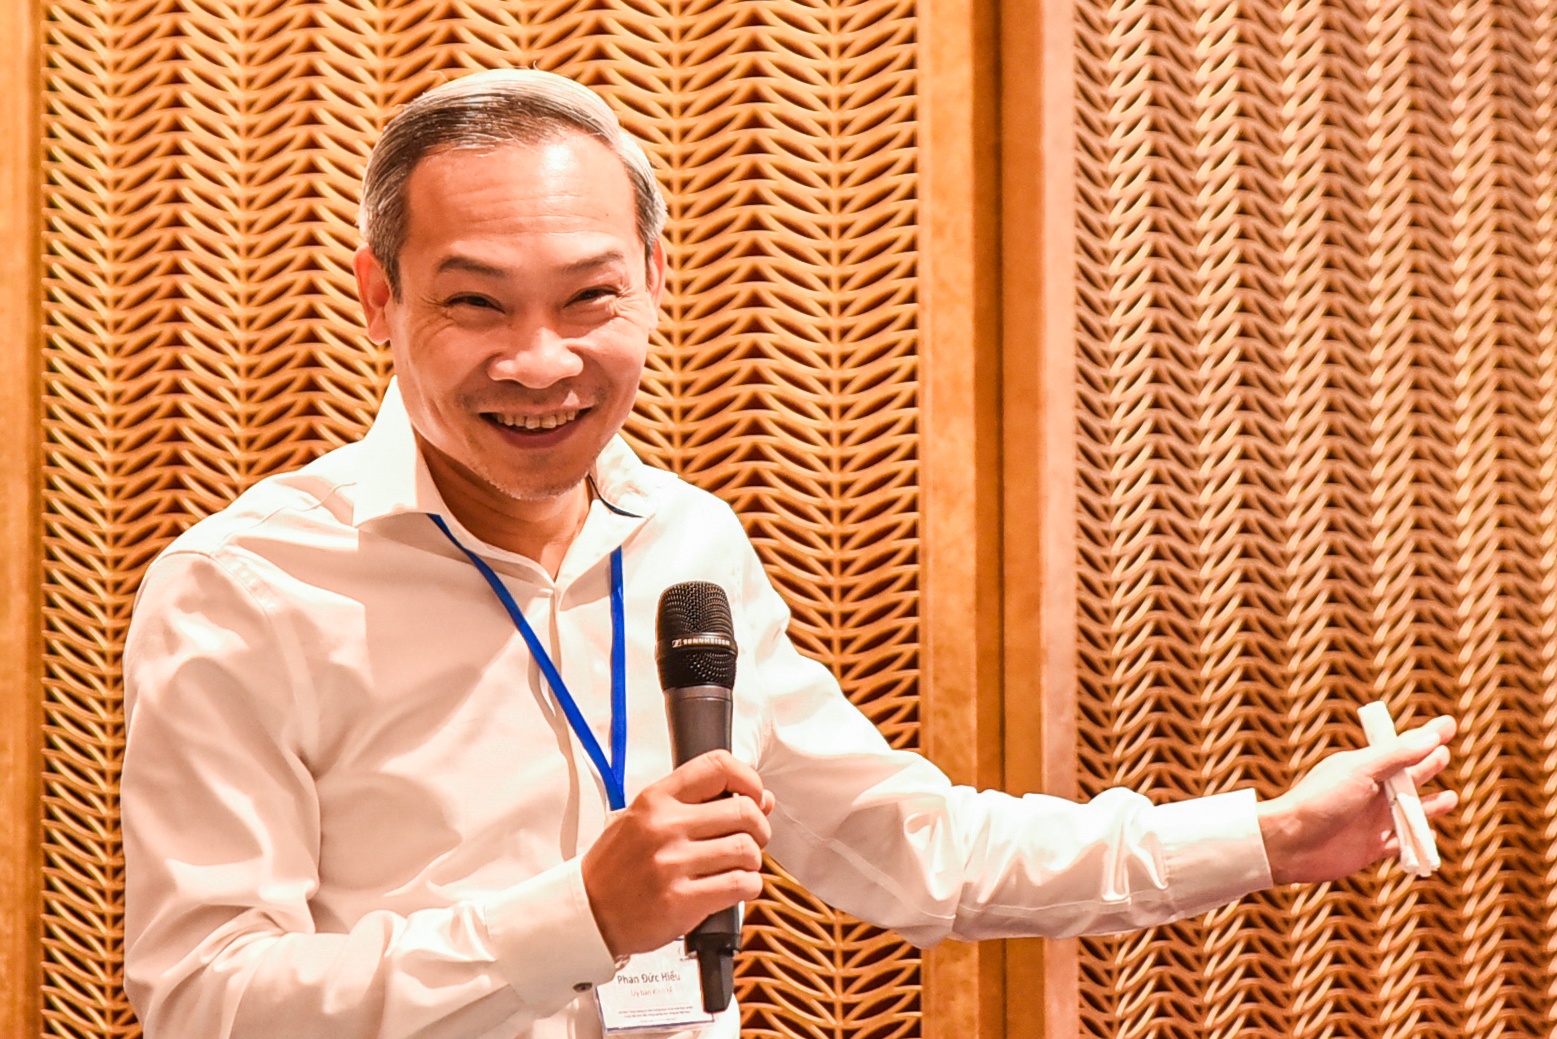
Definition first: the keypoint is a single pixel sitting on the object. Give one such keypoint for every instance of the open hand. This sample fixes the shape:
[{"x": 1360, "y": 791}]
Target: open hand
[
  {"x": 675, "y": 855},
  {"x": 1336, "y": 819}
]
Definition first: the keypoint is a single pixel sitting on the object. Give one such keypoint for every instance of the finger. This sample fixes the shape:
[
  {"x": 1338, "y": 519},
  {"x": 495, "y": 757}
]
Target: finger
[
  {"x": 737, "y": 852},
  {"x": 707, "y": 776},
  {"x": 716, "y": 891},
  {"x": 1423, "y": 771},
  {"x": 1443, "y": 727},
  {"x": 1440, "y": 803},
  {"x": 1386, "y": 759},
  {"x": 729, "y": 815},
  {"x": 696, "y": 860}
]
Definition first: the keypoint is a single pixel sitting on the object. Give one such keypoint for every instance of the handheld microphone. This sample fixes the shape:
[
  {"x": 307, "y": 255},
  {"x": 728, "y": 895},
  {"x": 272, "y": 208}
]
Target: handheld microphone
[{"x": 695, "y": 651}]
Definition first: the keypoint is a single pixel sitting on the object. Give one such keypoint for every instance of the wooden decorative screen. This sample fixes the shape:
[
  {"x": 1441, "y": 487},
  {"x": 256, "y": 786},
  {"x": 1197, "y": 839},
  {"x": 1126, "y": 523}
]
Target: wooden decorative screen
[
  {"x": 1317, "y": 399},
  {"x": 201, "y": 167}
]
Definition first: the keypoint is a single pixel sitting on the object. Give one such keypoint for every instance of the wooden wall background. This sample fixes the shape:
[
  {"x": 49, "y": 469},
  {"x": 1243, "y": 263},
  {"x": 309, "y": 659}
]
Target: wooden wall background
[
  {"x": 1316, "y": 352},
  {"x": 197, "y": 177}
]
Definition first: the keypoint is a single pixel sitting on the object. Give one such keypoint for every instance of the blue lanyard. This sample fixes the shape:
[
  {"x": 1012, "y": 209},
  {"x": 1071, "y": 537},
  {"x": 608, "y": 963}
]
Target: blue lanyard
[{"x": 613, "y": 771}]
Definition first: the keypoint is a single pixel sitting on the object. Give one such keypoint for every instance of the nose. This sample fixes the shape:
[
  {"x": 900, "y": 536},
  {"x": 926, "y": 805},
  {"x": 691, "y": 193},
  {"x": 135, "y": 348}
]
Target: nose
[{"x": 536, "y": 356}]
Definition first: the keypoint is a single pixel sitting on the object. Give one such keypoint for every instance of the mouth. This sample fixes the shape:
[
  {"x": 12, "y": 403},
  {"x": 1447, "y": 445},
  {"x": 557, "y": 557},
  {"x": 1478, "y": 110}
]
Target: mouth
[{"x": 537, "y": 424}]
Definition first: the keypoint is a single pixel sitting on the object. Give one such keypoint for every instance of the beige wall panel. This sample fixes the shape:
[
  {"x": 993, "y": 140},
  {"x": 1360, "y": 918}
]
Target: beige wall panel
[
  {"x": 1317, "y": 465},
  {"x": 201, "y": 164}
]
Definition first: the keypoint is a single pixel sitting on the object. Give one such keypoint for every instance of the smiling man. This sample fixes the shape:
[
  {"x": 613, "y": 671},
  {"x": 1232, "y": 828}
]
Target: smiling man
[
  {"x": 518, "y": 310},
  {"x": 397, "y": 761}
]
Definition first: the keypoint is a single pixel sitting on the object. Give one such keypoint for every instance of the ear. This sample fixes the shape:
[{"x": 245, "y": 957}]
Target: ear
[
  {"x": 657, "y": 272},
  {"x": 373, "y": 291}
]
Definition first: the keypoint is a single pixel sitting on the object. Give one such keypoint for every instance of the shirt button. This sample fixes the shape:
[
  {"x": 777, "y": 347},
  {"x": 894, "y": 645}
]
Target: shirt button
[{"x": 582, "y": 986}]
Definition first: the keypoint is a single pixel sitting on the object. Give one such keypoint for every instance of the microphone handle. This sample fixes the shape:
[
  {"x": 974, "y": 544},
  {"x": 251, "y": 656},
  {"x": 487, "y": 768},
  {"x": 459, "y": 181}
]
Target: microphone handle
[{"x": 700, "y": 719}]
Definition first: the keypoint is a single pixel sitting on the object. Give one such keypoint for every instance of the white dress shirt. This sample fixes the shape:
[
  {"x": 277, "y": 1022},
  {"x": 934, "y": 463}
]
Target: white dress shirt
[{"x": 352, "y": 807}]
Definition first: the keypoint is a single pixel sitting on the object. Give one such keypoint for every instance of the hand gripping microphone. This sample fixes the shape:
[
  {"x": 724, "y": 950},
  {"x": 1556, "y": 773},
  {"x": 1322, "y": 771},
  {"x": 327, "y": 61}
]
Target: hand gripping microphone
[{"x": 695, "y": 650}]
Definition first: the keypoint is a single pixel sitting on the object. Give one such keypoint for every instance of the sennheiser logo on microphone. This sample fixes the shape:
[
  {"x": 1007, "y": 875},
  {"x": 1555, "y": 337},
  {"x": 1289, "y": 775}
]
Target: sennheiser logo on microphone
[{"x": 693, "y": 641}]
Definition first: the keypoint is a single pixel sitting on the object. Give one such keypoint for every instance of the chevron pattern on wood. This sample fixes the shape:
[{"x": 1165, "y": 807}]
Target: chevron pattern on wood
[
  {"x": 1317, "y": 398},
  {"x": 202, "y": 165}
]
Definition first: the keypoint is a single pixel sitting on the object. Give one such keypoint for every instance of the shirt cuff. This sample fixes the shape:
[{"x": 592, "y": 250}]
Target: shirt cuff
[
  {"x": 546, "y": 941},
  {"x": 1212, "y": 849}
]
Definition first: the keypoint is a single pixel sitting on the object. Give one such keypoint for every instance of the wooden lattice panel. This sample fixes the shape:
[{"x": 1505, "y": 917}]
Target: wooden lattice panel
[
  {"x": 202, "y": 163},
  {"x": 1317, "y": 399}
]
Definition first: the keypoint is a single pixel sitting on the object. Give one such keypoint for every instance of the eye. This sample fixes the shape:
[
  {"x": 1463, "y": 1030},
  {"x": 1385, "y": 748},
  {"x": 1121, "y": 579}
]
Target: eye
[
  {"x": 596, "y": 293},
  {"x": 470, "y": 299}
]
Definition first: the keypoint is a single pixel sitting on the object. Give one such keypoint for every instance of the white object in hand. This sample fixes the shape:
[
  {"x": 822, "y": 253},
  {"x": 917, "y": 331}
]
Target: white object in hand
[{"x": 1418, "y": 848}]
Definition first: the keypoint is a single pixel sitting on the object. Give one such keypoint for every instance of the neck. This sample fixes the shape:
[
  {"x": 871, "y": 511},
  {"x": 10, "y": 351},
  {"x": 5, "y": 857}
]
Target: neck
[{"x": 541, "y": 529}]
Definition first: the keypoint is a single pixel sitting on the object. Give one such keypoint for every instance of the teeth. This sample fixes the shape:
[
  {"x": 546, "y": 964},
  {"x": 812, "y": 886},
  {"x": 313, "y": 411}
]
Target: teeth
[{"x": 532, "y": 423}]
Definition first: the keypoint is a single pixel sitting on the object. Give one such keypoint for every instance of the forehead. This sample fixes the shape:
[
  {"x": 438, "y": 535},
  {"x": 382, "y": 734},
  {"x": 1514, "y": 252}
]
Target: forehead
[{"x": 569, "y": 182}]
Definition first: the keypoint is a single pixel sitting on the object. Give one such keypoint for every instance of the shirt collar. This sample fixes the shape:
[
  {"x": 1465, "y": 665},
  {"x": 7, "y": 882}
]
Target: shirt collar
[{"x": 394, "y": 478}]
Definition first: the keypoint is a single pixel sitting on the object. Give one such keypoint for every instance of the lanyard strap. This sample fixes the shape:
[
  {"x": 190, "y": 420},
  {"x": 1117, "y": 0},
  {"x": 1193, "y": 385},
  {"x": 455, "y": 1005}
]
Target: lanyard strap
[{"x": 613, "y": 770}]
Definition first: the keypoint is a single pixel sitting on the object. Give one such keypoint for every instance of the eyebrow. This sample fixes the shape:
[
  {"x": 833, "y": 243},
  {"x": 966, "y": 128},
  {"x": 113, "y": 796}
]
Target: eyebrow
[{"x": 471, "y": 265}]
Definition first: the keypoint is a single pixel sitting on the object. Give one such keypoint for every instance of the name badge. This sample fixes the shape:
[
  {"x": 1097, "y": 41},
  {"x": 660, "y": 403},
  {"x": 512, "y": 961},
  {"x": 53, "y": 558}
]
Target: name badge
[{"x": 655, "y": 991}]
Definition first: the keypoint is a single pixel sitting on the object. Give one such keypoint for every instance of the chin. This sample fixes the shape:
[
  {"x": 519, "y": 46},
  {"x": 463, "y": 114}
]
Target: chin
[{"x": 533, "y": 489}]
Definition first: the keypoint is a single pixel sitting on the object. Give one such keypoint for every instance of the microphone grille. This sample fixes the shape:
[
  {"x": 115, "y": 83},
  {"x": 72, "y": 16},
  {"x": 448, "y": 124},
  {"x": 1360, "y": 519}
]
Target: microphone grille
[{"x": 695, "y": 636}]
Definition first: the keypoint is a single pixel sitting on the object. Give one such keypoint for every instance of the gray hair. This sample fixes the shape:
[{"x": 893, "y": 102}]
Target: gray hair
[{"x": 485, "y": 110}]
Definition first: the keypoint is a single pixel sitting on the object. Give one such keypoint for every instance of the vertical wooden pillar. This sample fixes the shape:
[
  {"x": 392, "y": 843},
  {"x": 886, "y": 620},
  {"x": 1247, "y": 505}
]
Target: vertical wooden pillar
[
  {"x": 997, "y": 284},
  {"x": 1038, "y": 546},
  {"x": 960, "y": 287},
  {"x": 20, "y": 346}
]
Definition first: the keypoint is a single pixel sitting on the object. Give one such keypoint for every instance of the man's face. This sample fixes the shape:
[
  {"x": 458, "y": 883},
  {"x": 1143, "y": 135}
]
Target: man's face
[{"x": 524, "y": 313}]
